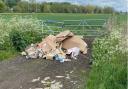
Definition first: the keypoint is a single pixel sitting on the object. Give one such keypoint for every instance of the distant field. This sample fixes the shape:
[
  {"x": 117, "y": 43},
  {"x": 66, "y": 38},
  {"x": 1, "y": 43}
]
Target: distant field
[
  {"x": 62, "y": 16},
  {"x": 57, "y": 16}
]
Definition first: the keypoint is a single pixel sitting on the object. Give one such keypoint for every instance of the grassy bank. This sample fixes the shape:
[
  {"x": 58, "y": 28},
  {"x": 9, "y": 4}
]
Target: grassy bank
[{"x": 7, "y": 54}]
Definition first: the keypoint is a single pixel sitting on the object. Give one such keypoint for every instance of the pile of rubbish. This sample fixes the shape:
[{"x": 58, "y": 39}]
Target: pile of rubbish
[{"x": 57, "y": 47}]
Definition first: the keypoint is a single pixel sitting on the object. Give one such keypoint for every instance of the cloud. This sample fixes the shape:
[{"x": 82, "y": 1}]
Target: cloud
[{"x": 120, "y": 5}]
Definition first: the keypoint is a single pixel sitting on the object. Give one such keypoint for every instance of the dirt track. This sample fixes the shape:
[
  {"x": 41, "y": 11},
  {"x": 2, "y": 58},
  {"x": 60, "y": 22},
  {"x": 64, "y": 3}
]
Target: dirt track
[{"x": 19, "y": 72}]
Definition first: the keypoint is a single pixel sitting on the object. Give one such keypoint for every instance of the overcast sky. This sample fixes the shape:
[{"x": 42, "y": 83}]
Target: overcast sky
[{"x": 120, "y": 5}]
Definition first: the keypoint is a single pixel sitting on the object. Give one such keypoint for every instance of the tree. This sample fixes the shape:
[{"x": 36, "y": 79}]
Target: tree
[
  {"x": 90, "y": 8},
  {"x": 21, "y": 7},
  {"x": 46, "y": 8},
  {"x": 51, "y": 7},
  {"x": 11, "y": 3},
  {"x": 2, "y": 6},
  {"x": 108, "y": 10},
  {"x": 98, "y": 10},
  {"x": 17, "y": 9}
]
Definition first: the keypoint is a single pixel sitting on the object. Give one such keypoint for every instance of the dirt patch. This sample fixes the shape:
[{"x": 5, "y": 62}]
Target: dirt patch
[{"x": 20, "y": 73}]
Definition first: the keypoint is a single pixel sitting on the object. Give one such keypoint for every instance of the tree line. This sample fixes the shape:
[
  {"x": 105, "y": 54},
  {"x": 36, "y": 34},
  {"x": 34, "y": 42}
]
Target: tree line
[{"x": 21, "y": 6}]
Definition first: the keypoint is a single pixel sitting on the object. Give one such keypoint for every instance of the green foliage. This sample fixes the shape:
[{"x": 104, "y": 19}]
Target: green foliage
[
  {"x": 2, "y": 6},
  {"x": 7, "y": 54},
  {"x": 22, "y": 6},
  {"x": 109, "y": 69},
  {"x": 11, "y": 3},
  {"x": 16, "y": 33},
  {"x": 98, "y": 10},
  {"x": 90, "y": 9},
  {"x": 21, "y": 39},
  {"x": 108, "y": 10},
  {"x": 18, "y": 40}
]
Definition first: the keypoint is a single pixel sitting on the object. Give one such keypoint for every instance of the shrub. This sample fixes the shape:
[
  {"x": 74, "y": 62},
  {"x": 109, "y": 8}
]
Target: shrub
[
  {"x": 21, "y": 39},
  {"x": 17, "y": 40}
]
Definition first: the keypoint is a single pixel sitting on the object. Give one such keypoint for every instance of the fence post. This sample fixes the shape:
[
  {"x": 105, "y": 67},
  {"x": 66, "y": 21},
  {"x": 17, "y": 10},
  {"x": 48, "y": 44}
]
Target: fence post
[
  {"x": 83, "y": 26},
  {"x": 42, "y": 22}
]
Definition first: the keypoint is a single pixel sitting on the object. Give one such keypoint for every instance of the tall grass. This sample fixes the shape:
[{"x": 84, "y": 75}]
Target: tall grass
[{"x": 109, "y": 69}]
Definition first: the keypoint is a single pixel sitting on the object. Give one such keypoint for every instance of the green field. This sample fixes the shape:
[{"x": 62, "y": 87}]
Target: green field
[
  {"x": 63, "y": 16},
  {"x": 57, "y": 16}
]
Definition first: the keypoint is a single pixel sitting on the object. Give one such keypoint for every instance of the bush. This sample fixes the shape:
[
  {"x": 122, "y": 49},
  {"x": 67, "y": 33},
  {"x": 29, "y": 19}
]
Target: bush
[
  {"x": 18, "y": 40},
  {"x": 21, "y": 39},
  {"x": 32, "y": 36}
]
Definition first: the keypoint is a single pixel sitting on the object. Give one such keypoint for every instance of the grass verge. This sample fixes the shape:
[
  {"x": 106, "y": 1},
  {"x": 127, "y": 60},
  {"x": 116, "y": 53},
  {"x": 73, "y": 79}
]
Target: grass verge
[
  {"x": 7, "y": 54},
  {"x": 109, "y": 69}
]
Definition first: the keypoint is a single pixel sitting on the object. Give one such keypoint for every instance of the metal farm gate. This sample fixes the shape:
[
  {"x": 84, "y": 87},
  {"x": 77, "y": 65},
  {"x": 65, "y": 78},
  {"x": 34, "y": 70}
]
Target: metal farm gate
[{"x": 87, "y": 27}]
